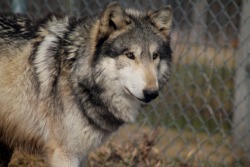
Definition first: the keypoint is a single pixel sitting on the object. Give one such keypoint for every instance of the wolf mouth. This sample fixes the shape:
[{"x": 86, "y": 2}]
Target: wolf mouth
[{"x": 141, "y": 100}]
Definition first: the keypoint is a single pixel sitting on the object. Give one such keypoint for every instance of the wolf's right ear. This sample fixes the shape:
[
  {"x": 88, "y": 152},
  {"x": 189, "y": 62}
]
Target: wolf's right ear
[
  {"x": 162, "y": 20},
  {"x": 113, "y": 18}
]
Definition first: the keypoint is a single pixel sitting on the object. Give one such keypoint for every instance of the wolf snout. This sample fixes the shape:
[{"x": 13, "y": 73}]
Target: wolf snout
[{"x": 150, "y": 94}]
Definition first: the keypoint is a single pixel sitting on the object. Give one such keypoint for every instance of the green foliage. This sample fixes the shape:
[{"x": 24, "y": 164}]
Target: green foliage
[{"x": 197, "y": 98}]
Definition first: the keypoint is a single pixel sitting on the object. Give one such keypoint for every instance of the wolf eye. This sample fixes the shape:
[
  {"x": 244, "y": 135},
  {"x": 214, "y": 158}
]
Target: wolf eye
[
  {"x": 155, "y": 55},
  {"x": 130, "y": 55}
]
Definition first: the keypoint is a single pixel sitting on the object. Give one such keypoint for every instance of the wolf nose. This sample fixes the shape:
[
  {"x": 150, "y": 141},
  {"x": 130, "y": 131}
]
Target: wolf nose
[{"x": 150, "y": 94}]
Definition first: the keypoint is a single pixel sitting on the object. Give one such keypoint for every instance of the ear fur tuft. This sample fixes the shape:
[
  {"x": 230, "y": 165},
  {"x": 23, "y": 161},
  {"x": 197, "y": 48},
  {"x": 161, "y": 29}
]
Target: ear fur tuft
[
  {"x": 113, "y": 18},
  {"x": 162, "y": 20}
]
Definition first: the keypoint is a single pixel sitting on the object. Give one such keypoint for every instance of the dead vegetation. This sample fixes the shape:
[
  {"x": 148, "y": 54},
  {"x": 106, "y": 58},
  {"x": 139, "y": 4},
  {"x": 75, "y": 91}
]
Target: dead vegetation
[
  {"x": 139, "y": 152},
  {"x": 140, "y": 146}
]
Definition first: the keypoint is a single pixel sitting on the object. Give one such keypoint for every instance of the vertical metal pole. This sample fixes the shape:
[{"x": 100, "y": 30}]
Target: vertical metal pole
[
  {"x": 199, "y": 20},
  {"x": 241, "y": 120},
  {"x": 19, "y": 6}
]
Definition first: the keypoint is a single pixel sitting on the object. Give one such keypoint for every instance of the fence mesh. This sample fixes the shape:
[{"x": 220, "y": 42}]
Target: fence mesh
[{"x": 203, "y": 113}]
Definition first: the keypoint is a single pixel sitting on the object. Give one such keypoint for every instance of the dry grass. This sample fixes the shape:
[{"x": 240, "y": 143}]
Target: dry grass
[
  {"x": 145, "y": 147},
  {"x": 20, "y": 159},
  {"x": 138, "y": 152},
  {"x": 204, "y": 55}
]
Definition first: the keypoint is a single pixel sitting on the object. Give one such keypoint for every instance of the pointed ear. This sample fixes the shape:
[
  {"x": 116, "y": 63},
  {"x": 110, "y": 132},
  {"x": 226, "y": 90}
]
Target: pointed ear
[
  {"x": 162, "y": 20},
  {"x": 113, "y": 18}
]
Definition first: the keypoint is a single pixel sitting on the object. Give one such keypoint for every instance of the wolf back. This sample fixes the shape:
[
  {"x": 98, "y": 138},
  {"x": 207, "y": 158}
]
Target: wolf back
[{"x": 67, "y": 83}]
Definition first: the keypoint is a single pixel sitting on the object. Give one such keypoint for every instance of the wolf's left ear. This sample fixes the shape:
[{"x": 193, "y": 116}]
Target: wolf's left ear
[
  {"x": 162, "y": 20},
  {"x": 113, "y": 18}
]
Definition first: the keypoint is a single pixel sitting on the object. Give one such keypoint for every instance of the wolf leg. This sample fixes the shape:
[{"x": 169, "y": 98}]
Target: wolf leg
[
  {"x": 84, "y": 162},
  {"x": 5, "y": 154},
  {"x": 59, "y": 158}
]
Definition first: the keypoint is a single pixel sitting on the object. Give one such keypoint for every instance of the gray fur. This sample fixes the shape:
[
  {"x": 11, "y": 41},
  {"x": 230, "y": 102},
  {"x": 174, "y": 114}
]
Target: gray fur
[{"x": 61, "y": 90}]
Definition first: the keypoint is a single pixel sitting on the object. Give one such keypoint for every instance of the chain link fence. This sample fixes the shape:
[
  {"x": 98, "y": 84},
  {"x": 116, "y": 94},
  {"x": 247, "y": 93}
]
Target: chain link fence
[{"x": 203, "y": 114}]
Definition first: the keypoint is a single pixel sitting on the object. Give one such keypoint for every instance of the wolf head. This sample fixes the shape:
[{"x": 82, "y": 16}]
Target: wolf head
[
  {"x": 136, "y": 47},
  {"x": 128, "y": 63}
]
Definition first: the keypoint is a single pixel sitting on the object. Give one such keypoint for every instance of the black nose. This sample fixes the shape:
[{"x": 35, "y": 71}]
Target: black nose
[{"x": 150, "y": 94}]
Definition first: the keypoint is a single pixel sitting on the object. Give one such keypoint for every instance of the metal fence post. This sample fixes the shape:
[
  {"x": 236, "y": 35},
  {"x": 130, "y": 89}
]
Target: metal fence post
[
  {"x": 199, "y": 20},
  {"x": 241, "y": 122},
  {"x": 19, "y": 6}
]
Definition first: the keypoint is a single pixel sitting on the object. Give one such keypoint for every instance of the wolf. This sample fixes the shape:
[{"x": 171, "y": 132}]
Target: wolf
[{"x": 67, "y": 83}]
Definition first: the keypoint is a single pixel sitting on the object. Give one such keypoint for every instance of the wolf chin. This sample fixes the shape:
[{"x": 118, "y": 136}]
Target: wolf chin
[{"x": 67, "y": 83}]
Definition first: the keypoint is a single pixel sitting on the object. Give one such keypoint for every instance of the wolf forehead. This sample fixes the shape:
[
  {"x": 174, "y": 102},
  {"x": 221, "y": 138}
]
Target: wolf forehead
[
  {"x": 125, "y": 29},
  {"x": 137, "y": 37},
  {"x": 139, "y": 23}
]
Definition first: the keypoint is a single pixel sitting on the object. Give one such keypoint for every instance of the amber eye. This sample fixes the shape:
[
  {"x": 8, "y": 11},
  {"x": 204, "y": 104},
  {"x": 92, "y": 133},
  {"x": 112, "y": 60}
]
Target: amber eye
[
  {"x": 155, "y": 56},
  {"x": 130, "y": 55}
]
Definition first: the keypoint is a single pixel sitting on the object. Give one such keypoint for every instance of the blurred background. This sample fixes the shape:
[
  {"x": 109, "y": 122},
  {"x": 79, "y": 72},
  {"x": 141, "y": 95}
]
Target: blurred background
[{"x": 202, "y": 117}]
